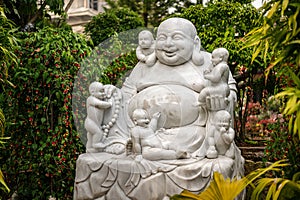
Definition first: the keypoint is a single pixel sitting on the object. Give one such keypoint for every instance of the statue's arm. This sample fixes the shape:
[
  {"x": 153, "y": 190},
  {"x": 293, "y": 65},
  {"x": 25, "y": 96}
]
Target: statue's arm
[
  {"x": 154, "y": 121},
  {"x": 232, "y": 82},
  {"x": 137, "y": 148},
  {"x": 233, "y": 88},
  {"x": 153, "y": 124},
  {"x": 140, "y": 55},
  {"x": 93, "y": 101},
  {"x": 228, "y": 136},
  {"x": 217, "y": 73}
]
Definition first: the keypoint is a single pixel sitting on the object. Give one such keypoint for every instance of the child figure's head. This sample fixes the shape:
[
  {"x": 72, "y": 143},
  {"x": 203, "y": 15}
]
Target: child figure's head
[
  {"x": 219, "y": 55},
  {"x": 140, "y": 117},
  {"x": 222, "y": 120},
  {"x": 146, "y": 39},
  {"x": 97, "y": 89}
]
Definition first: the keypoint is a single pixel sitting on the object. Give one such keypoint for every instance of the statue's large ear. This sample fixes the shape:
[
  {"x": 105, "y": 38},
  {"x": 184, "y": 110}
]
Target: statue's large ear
[
  {"x": 197, "y": 43},
  {"x": 197, "y": 57}
]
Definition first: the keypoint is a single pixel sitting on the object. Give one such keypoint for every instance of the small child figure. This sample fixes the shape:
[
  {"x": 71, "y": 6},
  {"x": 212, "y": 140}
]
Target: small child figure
[
  {"x": 220, "y": 136},
  {"x": 145, "y": 51},
  {"x": 146, "y": 143},
  {"x": 96, "y": 105},
  {"x": 217, "y": 76}
]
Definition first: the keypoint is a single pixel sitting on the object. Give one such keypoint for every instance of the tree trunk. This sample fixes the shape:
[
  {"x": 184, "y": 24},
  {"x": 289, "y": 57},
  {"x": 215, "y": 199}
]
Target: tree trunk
[
  {"x": 38, "y": 13},
  {"x": 69, "y": 5}
]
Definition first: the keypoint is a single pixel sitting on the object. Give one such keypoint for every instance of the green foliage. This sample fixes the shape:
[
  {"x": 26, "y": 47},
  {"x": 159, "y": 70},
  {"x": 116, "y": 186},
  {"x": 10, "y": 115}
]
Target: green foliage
[
  {"x": 152, "y": 11},
  {"x": 2, "y": 126},
  {"x": 105, "y": 25},
  {"x": 279, "y": 188},
  {"x": 281, "y": 145},
  {"x": 292, "y": 106},
  {"x": 226, "y": 189},
  {"x": 7, "y": 42},
  {"x": 279, "y": 34},
  {"x": 119, "y": 68},
  {"x": 220, "y": 21},
  {"x": 40, "y": 156},
  {"x": 24, "y": 11},
  {"x": 2, "y": 182}
]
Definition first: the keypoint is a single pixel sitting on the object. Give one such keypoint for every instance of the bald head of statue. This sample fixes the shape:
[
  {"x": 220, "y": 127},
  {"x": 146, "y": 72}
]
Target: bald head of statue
[{"x": 177, "y": 42}]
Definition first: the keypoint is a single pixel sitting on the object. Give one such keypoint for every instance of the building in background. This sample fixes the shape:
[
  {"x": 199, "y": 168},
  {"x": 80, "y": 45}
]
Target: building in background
[{"x": 81, "y": 12}]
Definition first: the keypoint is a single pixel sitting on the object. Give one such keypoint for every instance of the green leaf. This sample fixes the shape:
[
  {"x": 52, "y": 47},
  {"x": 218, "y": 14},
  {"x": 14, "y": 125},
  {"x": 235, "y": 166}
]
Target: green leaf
[
  {"x": 3, "y": 182},
  {"x": 284, "y": 6},
  {"x": 43, "y": 119},
  {"x": 280, "y": 187},
  {"x": 296, "y": 177},
  {"x": 2, "y": 122}
]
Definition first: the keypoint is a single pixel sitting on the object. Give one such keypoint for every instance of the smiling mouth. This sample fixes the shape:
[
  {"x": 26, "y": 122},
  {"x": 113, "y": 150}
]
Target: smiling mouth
[{"x": 170, "y": 54}]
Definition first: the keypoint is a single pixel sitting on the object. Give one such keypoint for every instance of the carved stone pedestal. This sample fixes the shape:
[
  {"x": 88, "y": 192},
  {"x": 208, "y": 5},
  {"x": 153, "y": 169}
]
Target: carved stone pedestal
[{"x": 108, "y": 176}]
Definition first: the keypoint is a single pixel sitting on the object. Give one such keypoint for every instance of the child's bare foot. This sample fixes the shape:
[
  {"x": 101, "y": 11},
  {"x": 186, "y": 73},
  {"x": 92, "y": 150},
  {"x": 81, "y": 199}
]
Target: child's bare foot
[{"x": 212, "y": 152}]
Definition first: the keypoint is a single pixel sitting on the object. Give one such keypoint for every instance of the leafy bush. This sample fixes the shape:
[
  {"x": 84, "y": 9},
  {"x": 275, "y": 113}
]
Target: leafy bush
[
  {"x": 106, "y": 24},
  {"x": 223, "y": 24},
  {"x": 279, "y": 35},
  {"x": 40, "y": 156},
  {"x": 7, "y": 41},
  {"x": 265, "y": 121},
  {"x": 283, "y": 145}
]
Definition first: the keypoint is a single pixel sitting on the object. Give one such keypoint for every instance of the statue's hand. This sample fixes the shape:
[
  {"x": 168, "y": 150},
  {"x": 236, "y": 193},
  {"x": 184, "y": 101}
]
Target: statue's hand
[
  {"x": 207, "y": 71},
  {"x": 232, "y": 96},
  {"x": 216, "y": 102},
  {"x": 156, "y": 115},
  {"x": 223, "y": 130},
  {"x": 144, "y": 59}
]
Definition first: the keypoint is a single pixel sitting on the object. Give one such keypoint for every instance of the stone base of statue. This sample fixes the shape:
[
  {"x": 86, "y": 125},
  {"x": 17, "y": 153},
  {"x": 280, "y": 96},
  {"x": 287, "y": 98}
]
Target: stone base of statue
[{"x": 109, "y": 176}]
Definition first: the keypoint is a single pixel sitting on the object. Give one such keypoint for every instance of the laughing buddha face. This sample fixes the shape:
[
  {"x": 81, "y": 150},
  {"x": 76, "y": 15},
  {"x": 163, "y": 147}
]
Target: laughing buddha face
[{"x": 175, "y": 43}]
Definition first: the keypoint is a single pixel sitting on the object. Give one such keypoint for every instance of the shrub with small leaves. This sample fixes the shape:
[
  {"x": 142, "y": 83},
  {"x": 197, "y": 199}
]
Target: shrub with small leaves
[
  {"x": 40, "y": 157},
  {"x": 282, "y": 145},
  {"x": 105, "y": 25}
]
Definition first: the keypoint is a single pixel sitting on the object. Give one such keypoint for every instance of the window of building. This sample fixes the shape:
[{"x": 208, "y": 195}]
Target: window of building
[{"x": 94, "y": 4}]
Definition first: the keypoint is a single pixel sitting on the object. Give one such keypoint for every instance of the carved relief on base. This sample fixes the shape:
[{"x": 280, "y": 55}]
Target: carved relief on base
[{"x": 125, "y": 177}]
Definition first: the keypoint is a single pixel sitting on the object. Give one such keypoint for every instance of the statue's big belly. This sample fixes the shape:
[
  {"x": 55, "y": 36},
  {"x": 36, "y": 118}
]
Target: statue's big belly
[{"x": 176, "y": 103}]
